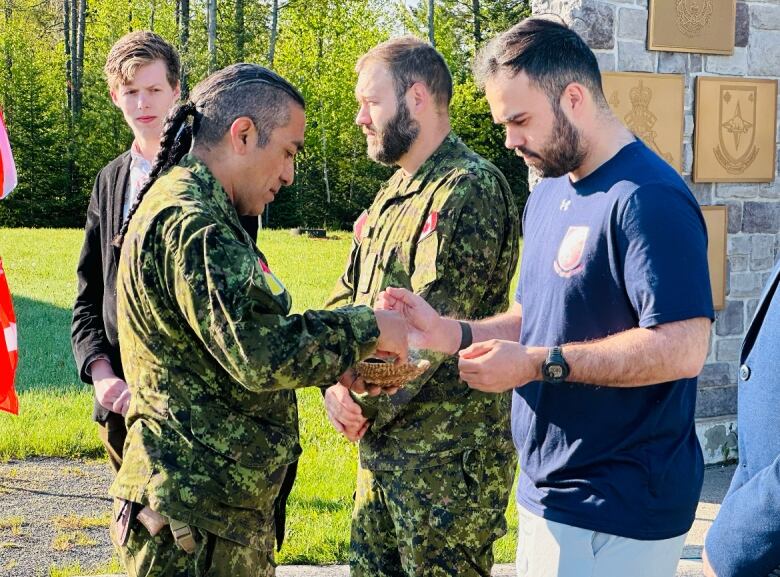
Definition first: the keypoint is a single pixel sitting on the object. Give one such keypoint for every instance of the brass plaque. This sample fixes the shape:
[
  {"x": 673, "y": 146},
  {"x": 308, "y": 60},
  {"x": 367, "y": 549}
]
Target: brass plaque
[
  {"x": 706, "y": 26},
  {"x": 717, "y": 221},
  {"x": 735, "y": 137},
  {"x": 651, "y": 106}
]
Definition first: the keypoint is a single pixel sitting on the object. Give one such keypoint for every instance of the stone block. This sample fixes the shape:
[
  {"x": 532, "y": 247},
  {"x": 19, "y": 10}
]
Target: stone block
[
  {"x": 718, "y": 440},
  {"x": 717, "y": 375},
  {"x": 633, "y": 57},
  {"x": 595, "y": 22},
  {"x": 672, "y": 63},
  {"x": 769, "y": 189},
  {"x": 687, "y": 158},
  {"x": 729, "y": 349},
  {"x": 739, "y": 263},
  {"x": 694, "y": 62},
  {"x": 736, "y": 190},
  {"x": 701, "y": 190},
  {"x": 745, "y": 284},
  {"x": 716, "y": 401},
  {"x": 762, "y": 255},
  {"x": 605, "y": 59},
  {"x": 688, "y": 126},
  {"x": 742, "y": 25},
  {"x": 734, "y": 217},
  {"x": 764, "y": 53},
  {"x": 642, "y": 3},
  {"x": 761, "y": 217},
  {"x": 730, "y": 320},
  {"x": 632, "y": 24},
  {"x": 739, "y": 245},
  {"x": 734, "y": 65},
  {"x": 750, "y": 309},
  {"x": 765, "y": 16}
]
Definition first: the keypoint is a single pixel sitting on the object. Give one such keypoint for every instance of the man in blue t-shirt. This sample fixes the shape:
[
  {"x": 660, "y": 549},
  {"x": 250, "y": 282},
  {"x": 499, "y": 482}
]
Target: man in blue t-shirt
[{"x": 612, "y": 313}]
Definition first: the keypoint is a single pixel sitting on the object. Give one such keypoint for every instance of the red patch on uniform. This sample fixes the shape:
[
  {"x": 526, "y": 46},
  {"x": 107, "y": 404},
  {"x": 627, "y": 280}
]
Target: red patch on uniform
[
  {"x": 430, "y": 225},
  {"x": 357, "y": 228},
  {"x": 264, "y": 266},
  {"x": 569, "y": 259}
]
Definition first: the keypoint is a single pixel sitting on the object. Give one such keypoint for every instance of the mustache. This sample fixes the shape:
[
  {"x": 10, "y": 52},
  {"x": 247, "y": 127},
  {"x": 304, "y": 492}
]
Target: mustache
[{"x": 527, "y": 152}]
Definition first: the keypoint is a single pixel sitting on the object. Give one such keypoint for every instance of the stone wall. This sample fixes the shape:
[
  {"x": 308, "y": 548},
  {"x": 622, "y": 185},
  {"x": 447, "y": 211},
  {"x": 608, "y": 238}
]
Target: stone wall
[{"x": 616, "y": 30}]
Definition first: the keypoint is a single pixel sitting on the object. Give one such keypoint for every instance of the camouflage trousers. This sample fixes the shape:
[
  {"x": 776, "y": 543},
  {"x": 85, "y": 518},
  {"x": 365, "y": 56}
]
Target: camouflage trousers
[
  {"x": 440, "y": 521},
  {"x": 159, "y": 556}
]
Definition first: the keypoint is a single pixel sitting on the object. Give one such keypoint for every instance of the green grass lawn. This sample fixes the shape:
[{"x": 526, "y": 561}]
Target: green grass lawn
[{"x": 55, "y": 407}]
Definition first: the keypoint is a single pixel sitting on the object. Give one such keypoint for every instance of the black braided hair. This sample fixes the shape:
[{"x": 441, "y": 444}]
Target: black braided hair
[
  {"x": 214, "y": 104},
  {"x": 174, "y": 144}
]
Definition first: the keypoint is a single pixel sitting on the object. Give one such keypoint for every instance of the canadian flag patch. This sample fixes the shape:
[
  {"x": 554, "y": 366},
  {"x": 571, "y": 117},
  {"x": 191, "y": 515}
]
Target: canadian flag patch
[
  {"x": 430, "y": 225},
  {"x": 274, "y": 283},
  {"x": 357, "y": 228}
]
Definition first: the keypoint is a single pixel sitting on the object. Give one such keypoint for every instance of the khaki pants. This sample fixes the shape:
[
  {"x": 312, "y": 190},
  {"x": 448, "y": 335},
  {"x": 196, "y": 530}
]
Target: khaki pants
[{"x": 112, "y": 434}]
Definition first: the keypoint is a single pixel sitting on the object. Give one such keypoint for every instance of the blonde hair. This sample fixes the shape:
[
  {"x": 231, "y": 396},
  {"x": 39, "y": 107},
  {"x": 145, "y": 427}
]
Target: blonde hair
[{"x": 138, "y": 49}]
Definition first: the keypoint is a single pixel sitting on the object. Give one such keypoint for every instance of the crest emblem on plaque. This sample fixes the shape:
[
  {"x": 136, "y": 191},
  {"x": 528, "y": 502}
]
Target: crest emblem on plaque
[
  {"x": 693, "y": 16},
  {"x": 737, "y": 135},
  {"x": 735, "y": 132}
]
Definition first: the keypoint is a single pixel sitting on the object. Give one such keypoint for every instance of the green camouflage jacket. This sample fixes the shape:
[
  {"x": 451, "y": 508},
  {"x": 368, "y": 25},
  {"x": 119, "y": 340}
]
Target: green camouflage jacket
[
  {"x": 212, "y": 356},
  {"x": 450, "y": 233}
]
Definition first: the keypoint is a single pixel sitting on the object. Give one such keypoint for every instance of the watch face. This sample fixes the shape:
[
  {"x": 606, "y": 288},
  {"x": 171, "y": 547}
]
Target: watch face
[{"x": 555, "y": 371}]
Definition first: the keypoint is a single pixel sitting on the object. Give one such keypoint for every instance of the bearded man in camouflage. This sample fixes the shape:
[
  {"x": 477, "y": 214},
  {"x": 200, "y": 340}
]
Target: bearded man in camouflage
[
  {"x": 210, "y": 347},
  {"x": 436, "y": 459}
]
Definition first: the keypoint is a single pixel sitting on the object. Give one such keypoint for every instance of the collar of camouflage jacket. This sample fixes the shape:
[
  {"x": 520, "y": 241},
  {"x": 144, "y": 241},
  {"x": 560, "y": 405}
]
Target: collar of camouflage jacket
[
  {"x": 410, "y": 184},
  {"x": 213, "y": 193}
]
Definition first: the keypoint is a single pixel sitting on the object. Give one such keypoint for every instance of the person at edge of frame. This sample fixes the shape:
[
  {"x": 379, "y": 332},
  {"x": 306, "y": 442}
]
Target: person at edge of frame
[
  {"x": 142, "y": 72},
  {"x": 744, "y": 539},
  {"x": 613, "y": 311},
  {"x": 436, "y": 459},
  {"x": 216, "y": 354}
]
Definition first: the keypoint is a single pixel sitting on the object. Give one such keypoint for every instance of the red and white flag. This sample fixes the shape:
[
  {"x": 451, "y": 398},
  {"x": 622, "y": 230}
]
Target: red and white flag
[
  {"x": 7, "y": 166},
  {"x": 9, "y": 356}
]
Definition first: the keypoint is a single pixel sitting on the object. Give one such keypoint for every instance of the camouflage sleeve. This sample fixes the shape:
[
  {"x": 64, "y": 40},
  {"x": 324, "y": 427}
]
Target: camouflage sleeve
[
  {"x": 344, "y": 292},
  {"x": 218, "y": 285}
]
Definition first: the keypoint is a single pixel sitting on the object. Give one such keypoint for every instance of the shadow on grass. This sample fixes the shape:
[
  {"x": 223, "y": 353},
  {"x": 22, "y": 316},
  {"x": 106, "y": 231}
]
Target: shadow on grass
[
  {"x": 45, "y": 356},
  {"x": 322, "y": 505}
]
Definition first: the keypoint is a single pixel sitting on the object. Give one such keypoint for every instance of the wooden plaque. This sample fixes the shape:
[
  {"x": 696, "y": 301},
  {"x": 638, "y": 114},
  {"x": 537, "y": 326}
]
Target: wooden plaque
[
  {"x": 735, "y": 138},
  {"x": 717, "y": 221},
  {"x": 652, "y": 107},
  {"x": 706, "y": 26}
]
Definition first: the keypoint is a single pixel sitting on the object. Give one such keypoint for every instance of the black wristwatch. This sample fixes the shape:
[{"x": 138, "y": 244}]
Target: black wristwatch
[{"x": 555, "y": 369}]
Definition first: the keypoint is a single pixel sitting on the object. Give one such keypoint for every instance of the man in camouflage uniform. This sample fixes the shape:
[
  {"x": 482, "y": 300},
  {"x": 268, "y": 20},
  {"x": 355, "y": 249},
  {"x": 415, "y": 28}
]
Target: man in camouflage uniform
[
  {"x": 436, "y": 460},
  {"x": 211, "y": 350}
]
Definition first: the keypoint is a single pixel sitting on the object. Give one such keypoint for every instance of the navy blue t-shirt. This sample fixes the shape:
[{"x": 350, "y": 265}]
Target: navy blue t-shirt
[{"x": 624, "y": 247}]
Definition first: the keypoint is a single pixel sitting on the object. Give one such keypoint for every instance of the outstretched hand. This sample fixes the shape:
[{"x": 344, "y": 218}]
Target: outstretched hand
[
  {"x": 427, "y": 330},
  {"x": 496, "y": 366}
]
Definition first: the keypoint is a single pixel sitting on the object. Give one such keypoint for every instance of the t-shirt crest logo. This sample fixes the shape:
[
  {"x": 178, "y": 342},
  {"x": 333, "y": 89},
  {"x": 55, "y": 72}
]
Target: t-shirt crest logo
[
  {"x": 357, "y": 228},
  {"x": 276, "y": 286},
  {"x": 430, "y": 225},
  {"x": 569, "y": 260}
]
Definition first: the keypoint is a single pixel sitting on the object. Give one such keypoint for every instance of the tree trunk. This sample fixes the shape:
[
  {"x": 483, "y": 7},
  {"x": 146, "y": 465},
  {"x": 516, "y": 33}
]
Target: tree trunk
[
  {"x": 431, "y": 37},
  {"x": 274, "y": 26},
  {"x": 74, "y": 24},
  {"x": 184, "y": 41},
  {"x": 7, "y": 48},
  {"x": 240, "y": 36},
  {"x": 79, "y": 68},
  {"x": 212, "y": 31},
  {"x": 477, "y": 23},
  {"x": 151, "y": 16},
  {"x": 68, "y": 72}
]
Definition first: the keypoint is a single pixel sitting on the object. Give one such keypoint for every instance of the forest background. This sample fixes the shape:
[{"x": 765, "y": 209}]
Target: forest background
[{"x": 63, "y": 127}]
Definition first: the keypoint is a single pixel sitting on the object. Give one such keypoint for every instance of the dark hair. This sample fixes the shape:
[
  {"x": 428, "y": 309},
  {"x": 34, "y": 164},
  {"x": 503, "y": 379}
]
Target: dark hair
[
  {"x": 550, "y": 53},
  {"x": 411, "y": 60},
  {"x": 138, "y": 49},
  {"x": 215, "y": 103}
]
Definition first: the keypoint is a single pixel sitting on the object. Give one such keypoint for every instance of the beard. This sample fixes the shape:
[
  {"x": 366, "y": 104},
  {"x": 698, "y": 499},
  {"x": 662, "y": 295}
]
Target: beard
[
  {"x": 563, "y": 154},
  {"x": 396, "y": 138}
]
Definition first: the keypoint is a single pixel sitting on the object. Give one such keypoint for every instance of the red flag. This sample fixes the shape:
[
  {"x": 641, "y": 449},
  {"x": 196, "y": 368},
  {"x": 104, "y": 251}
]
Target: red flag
[
  {"x": 9, "y": 356},
  {"x": 7, "y": 166}
]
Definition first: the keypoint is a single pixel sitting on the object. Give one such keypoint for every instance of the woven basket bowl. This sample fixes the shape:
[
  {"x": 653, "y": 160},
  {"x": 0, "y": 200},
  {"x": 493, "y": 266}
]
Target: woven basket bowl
[{"x": 387, "y": 375}]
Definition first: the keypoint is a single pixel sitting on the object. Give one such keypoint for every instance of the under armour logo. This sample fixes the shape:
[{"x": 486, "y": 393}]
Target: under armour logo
[{"x": 565, "y": 204}]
